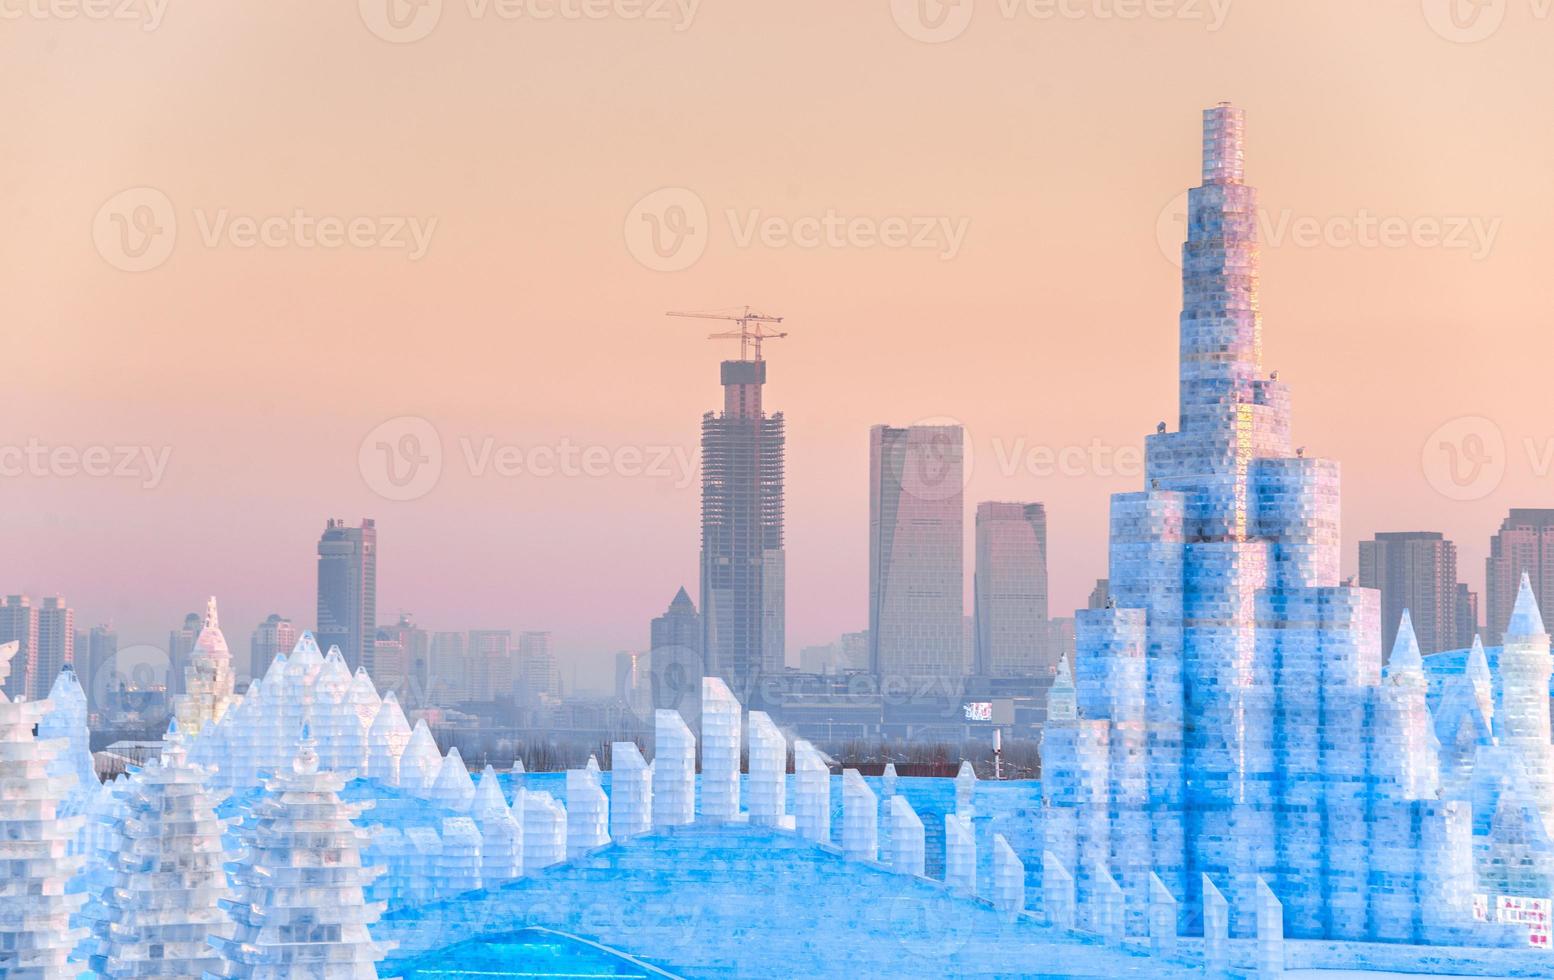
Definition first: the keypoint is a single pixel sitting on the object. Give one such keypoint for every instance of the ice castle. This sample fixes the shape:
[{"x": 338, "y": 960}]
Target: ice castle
[{"x": 1227, "y": 719}]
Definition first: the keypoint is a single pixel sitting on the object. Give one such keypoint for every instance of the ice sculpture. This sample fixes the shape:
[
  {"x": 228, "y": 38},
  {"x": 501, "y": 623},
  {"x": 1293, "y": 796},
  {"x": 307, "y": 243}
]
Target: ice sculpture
[
  {"x": 420, "y": 763},
  {"x": 1216, "y": 931},
  {"x": 860, "y": 818},
  {"x": 631, "y": 792},
  {"x": 67, "y": 719},
  {"x": 452, "y": 789},
  {"x": 811, "y": 793},
  {"x": 163, "y": 902},
  {"x": 888, "y": 780},
  {"x": 588, "y": 812},
  {"x": 424, "y": 845},
  {"x": 387, "y": 741},
  {"x": 301, "y": 909},
  {"x": 674, "y": 770},
  {"x": 208, "y": 678},
  {"x": 1525, "y": 666},
  {"x": 35, "y": 933},
  {"x": 501, "y": 834},
  {"x": 388, "y": 848},
  {"x": 1270, "y": 932},
  {"x": 1162, "y": 918},
  {"x": 461, "y": 862},
  {"x": 1008, "y": 879},
  {"x": 960, "y": 854},
  {"x": 720, "y": 727},
  {"x": 907, "y": 846},
  {"x": 1107, "y": 907},
  {"x": 1057, "y": 892},
  {"x": 544, "y": 832},
  {"x": 768, "y": 772},
  {"x": 965, "y": 788}
]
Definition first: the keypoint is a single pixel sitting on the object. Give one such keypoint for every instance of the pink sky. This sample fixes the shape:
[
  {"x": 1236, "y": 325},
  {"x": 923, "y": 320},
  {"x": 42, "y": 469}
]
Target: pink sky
[{"x": 1056, "y": 145}]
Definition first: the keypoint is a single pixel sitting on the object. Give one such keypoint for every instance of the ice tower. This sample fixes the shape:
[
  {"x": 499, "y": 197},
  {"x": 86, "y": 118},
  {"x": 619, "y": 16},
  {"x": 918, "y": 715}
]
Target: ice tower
[{"x": 208, "y": 678}]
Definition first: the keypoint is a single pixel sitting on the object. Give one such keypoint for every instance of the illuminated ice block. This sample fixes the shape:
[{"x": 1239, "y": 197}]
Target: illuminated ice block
[
  {"x": 907, "y": 847},
  {"x": 888, "y": 780},
  {"x": 501, "y": 834},
  {"x": 768, "y": 772},
  {"x": 1270, "y": 932},
  {"x": 960, "y": 854},
  {"x": 1163, "y": 928},
  {"x": 421, "y": 762},
  {"x": 965, "y": 788},
  {"x": 860, "y": 818},
  {"x": 1057, "y": 892},
  {"x": 811, "y": 793},
  {"x": 631, "y": 792},
  {"x": 544, "y": 832},
  {"x": 588, "y": 812},
  {"x": 452, "y": 789},
  {"x": 461, "y": 867},
  {"x": 387, "y": 740},
  {"x": 721, "y": 719},
  {"x": 1008, "y": 880},
  {"x": 1216, "y": 931},
  {"x": 674, "y": 770}
]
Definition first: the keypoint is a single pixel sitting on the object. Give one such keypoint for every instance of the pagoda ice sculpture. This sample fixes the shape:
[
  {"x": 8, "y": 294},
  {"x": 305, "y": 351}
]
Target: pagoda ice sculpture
[
  {"x": 301, "y": 908},
  {"x": 162, "y": 905},
  {"x": 208, "y": 678}
]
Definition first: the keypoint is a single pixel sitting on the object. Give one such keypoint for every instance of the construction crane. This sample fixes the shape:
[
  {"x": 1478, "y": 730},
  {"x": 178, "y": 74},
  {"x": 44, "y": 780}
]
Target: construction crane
[{"x": 752, "y": 329}]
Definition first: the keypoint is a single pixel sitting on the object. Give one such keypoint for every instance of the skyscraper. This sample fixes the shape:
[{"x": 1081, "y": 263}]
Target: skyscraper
[
  {"x": 1417, "y": 571},
  {"x": 1525, "y": 543},
  {"x": 276, "y": 634},
  {"x": 916, "y": 551},
  {"x": 1010, "y": 593},
  {"x": 95, "y": 650},
  {"x": 348, "y": 590},
  {"x": 19, "y": 622},
  {"x": 450, "y": 674},
  {"x": 675, "y": 662},
  {"x": 56, "y": 642},
  {"x": 492, "y": 673},
  {"x": 537, "y": 666},
  {"x": 180, "y": 646},
  {"x": 742, "y": 559},
  {"x": 1467, "y": 616}
]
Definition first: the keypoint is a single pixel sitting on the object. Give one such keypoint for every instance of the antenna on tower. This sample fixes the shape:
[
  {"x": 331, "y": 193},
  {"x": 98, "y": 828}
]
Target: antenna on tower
[{"x": 752, "y": 329}]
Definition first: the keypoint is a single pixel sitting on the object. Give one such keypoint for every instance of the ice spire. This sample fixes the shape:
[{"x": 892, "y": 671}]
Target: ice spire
[
  {"x": 1405, "y": 665},
  {"x": 1477, "y": 673},
  {"x": 1526, "y": 620},
  {"x": 1062, "y": 699},
  {"x": 452, "y": 788},
  {"x": 208, "y": 678},
  {"x": 1224, "y": 149},
  {"x": 386, "y": 741}
]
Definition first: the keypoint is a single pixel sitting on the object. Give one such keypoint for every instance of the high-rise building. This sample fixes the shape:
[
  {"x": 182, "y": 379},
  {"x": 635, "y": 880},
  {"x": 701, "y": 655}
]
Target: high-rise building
[
  {"x": 1099, "y": 595},
  {"x": 415, "y": 645},
  {"x": 492, "y": 673},
  {"x": 96, "y": 650},
  {"x": 180, "y": 647},
  {"x": 19, "y": 622},
  {"x": 675, "y": 662},
  {"x": 348, "y": 590},
  {"x": 1524, "y": 543},
  {"x": 389, "y": 670},
  {"x": 743, "y": 566},
  {"x": 1467, "y": 617},
  {"x": 916, "y": 551},
  {"x": 1417, "y": 571},
  {"x": 1010, "y": 591},
  {"x": 56, "y": 642},
  {"x": 538, "y": 669},
  {"x": 276, "y": 635},
  {"x": 450, "y": 674}
]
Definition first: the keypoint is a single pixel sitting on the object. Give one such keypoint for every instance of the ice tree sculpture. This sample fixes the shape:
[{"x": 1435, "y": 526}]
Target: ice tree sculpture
[
  {"x": 452, "y": 789},
  {"x": 768, "y": 772},
  {"x": 35, "y": 933},
  {"x": 544, "y": 832},
  {"x": 387, "y": 741},
  {"x": 960, "y": 854},
  {"x": 588, "y": 812},
  {"x": 301, "y": 908},
  {"x": 501, "y": 835},
  {"x": 420, "y": 763},
  {"x": 811, "y": 793},
  {"x": 860, "y": 817},
  {"x": 461, "y": 864},
  {"x": 631, "y": 792},
  {"x": 907, "y": 846},
  {"x": 721, "y": 718},
  {"x": 674, "y": 770},
  {"x": 162, "y": 904},
  {"x": 208, "y": 678},
  {"x": 1008, "y": 880}
]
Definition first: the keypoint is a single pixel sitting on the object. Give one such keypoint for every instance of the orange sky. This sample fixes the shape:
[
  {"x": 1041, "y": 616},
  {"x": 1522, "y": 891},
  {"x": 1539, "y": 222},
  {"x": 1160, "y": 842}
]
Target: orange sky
[{"x": 258, "y": 359}]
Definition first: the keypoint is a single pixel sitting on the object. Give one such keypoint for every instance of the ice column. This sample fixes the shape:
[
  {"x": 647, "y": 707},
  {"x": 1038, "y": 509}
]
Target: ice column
[
  {"x": 1270, "y": 932},
  {"x": 960, "y": 854},
  {"x": 544, "y": 832},
  {"x": 163, "y": 903},
  {"x": 1216, "y": 931},
  {"x": 860, "y": 818},
  {"x": 965, "y": 789},
  {"x": 588, "y": 812},
  {"x": 720, "y": 724},
  {"x": 1057, "y": 892},
  {"x": 1162, "y": 918},
  {"x": 1008, "y": 880},
  {"x": 768, "y": 772},
  {"x": 501, "y": 835},
  {"x": 674, "y": 770},
  {"x": 811, "y": 793},
  {"x": 452, "y": 789},
  {"x": 461, "y": 865},
  {"x": 300, "y": 909},
  {"x": 1108, "y": 909},
  {"x": 35, "y": 934},
  {"x": 888, "y": 780},
  {"x": 631, "y": 792},
  {"x": 1524, "y": 695},
  {"x": 907, "y": 847}
]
